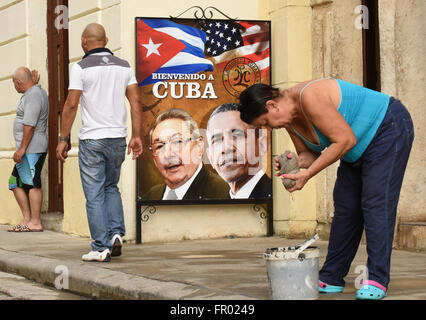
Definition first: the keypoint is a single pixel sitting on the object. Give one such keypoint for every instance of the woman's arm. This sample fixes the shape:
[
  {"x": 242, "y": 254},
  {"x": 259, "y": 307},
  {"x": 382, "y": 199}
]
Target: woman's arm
[
  {"x": 322, "y": 113},
  {"x": 305, "y": 156}
]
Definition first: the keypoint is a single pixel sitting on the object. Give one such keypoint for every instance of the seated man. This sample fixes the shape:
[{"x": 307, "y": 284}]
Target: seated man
[
  {"x": 235, "y": 150},
  {"x": 177, "y": 149}
]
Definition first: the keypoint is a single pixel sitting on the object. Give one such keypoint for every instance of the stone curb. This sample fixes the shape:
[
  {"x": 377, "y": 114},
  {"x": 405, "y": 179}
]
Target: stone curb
[{"x": 101, "y": 283}]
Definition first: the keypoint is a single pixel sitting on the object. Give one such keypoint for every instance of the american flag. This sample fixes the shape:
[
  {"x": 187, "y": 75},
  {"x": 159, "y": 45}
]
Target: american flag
[{"x": 227, "y": 39}]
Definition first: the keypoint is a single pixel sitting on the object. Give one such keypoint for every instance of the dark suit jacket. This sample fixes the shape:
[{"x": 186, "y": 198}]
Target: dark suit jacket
[
  {"x": 263, "y": 188},
  {"x": 207, "y": 185}
]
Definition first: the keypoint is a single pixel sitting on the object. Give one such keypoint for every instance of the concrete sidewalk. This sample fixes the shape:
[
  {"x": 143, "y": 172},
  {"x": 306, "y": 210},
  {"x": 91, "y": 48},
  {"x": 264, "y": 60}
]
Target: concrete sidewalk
[{"x": 222, "y": 269}]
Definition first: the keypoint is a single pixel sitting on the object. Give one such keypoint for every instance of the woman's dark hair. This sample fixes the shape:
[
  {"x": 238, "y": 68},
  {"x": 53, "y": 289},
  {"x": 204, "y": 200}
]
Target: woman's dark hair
[{"x": 253, "y": 101}]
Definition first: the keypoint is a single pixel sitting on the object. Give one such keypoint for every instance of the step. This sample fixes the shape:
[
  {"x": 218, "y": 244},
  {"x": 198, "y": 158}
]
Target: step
[
  {"x": 411, "y": 236},
  {"x": 97, "y": 282},
  {"x": 52, "y": 221},
  {"x": 14, "y": 287}
]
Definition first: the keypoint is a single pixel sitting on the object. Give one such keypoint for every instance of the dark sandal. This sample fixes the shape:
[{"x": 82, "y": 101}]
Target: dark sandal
[
  {"x": 25, "y": 228},
  {"x": 14, "y": 228}
]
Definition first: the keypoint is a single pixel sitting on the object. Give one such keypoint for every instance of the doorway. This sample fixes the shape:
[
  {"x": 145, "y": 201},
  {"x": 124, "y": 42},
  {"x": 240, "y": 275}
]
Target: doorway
[
  {"x": 371, "y": 47},
  {"x": 58, "y": 74}
]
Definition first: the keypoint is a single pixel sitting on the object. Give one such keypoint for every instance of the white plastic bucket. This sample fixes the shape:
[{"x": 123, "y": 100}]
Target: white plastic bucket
[{"x": 292, "y": 274}]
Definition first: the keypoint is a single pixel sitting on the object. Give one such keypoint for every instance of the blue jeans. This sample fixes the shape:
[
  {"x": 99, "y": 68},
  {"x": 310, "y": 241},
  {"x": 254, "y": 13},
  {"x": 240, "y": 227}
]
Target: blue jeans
[
  {"x": 366, "y": 197},
  {"x": 100, "y": 164}
]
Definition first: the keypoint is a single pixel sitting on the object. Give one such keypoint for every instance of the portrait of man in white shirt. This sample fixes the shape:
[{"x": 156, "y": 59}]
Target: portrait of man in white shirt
[{"x": 235, "y": 150}]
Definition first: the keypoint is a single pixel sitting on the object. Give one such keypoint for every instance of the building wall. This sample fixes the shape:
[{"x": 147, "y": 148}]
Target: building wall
[
  {"x": 81, "y": 13},
  {"x": 25, "y": 44},
  {"x": 22, "y": 43},
  {"x": 190, "y": 222},
  {"x": 168, "y": 223},
  {"x": 294, "y": 214},
  {"x": 310, "y": 39},
  {"x": 325, "y": 41},
  {"x": 337, "y": 53},
  {"x": 403, "y": 73},
  {"x": 410, "y": 82}
]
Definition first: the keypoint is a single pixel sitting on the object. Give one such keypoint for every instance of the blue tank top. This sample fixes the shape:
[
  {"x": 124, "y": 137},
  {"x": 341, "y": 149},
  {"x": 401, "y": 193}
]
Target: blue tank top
[{"x": 363, "y": 109}]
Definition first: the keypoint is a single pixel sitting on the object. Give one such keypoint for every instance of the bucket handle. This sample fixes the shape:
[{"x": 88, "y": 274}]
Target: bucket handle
[{"x": 306, "y": 244}]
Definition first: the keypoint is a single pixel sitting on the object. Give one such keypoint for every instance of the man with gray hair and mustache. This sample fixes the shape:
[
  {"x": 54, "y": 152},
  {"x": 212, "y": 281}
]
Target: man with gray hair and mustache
[{"x": 177, "y": 149}]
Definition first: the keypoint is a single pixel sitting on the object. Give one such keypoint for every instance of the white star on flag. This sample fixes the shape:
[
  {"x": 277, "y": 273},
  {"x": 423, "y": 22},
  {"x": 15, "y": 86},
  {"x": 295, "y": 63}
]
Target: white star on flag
[{"x": 152, "y": 48}]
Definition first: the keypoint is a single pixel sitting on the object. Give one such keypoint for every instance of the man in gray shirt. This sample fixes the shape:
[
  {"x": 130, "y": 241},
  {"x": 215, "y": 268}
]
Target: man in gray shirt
[{"x": 30, "y": 133}]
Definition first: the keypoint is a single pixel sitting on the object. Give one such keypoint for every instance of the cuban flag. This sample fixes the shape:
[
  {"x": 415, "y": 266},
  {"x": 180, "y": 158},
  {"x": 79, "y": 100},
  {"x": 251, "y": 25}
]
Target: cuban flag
[{"x": 168, "y": 47}]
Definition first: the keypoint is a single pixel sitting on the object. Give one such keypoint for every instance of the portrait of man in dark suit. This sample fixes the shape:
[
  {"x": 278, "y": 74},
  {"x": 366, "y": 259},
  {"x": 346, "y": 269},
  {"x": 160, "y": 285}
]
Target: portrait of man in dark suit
[
  {"x": 177, "y": 149},
  {"x": 235, "y": 150}
]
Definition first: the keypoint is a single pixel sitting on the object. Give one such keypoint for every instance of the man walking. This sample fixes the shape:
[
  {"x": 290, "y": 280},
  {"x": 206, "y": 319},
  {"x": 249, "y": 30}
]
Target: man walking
[
  {"x": 30, "y": 133},
  {"x": 102, "y": 81}
]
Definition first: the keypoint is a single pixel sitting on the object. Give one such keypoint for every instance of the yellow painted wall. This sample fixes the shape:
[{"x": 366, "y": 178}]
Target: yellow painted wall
[
  {"x": 310, "y": 39},
  {"x": 294, "y": 214},
  {"x": 9, "y": 212},
  {"x": 26, "y": 48},
  {"x": 187, "y": 222},
  {"x": 81, "y": 13},
  {"x": 75, "y": 219},
  {"x": 22, "y": 43},
  {"x": 336, "y": 52}
]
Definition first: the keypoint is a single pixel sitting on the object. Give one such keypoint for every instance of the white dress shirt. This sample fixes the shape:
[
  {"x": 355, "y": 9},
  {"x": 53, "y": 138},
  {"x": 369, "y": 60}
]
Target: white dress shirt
[
  {"x": 247, "y": 189},
  {"x": 180, "y": 192}
]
